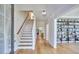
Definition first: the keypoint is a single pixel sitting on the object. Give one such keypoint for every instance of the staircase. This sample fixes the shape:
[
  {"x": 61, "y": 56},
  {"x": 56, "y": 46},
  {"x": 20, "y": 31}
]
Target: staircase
[
  {"x": 27, "y": 34},
  {"x": 26, "y": 41}
]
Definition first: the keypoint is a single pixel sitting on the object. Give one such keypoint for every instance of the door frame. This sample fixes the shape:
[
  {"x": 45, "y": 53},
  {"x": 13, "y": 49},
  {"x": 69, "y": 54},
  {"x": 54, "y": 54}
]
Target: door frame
[{"x": 55, "y": 25}]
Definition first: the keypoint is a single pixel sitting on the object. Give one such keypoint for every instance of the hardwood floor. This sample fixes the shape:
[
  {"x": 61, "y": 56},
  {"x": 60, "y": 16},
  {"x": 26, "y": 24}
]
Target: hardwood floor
[{"x": 43, "y": 47}]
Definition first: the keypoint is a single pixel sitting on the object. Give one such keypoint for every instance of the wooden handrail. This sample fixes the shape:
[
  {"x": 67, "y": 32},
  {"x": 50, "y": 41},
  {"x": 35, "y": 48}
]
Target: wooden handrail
[{"x": 22, "y": 24}]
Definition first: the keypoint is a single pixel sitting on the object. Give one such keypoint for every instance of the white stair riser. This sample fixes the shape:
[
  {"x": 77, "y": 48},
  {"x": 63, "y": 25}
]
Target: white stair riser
[
  {"x": 24, "y": 47},
  {"x": 26, "y": 40},
  {"x": 25, "y": 43},
  {"x": 28, "y": 35}
]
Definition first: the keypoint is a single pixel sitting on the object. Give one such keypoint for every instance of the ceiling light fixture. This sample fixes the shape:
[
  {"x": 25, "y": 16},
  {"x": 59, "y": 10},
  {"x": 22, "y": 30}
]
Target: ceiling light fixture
[{"x": 43, "y": 12}]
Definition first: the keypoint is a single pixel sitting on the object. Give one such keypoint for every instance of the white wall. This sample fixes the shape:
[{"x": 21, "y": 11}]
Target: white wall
[
  {"x": 52, "y": 40},
  {"x": 73, "y": 12},
  {"x": 7, "y": 28}
]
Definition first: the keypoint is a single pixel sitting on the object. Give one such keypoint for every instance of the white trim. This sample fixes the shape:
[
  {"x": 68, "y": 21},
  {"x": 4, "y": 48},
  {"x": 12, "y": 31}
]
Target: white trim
[
  {"x": 55, "y": 32},
  {"x": 34, "y": 34},
  {"x": 67, "y": 17},
  {"x": 47, "y": 31},
  {"x": 4, "y": 29}
]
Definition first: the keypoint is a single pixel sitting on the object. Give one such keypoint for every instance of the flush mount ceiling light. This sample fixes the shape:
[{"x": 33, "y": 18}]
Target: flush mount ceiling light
[{"x": 44, "y": 12}]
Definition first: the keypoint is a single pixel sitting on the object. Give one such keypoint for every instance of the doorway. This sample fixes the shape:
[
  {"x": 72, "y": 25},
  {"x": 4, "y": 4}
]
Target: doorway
[{"x": 68, "y": 30}]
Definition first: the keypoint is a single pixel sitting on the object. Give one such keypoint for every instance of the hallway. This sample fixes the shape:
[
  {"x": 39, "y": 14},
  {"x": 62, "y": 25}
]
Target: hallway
[{"x": 42, "y": 47}]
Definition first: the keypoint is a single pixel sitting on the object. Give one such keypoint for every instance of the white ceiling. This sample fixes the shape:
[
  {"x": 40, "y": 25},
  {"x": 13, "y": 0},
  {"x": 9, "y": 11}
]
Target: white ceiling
[{"x": 51, "y": 9}]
